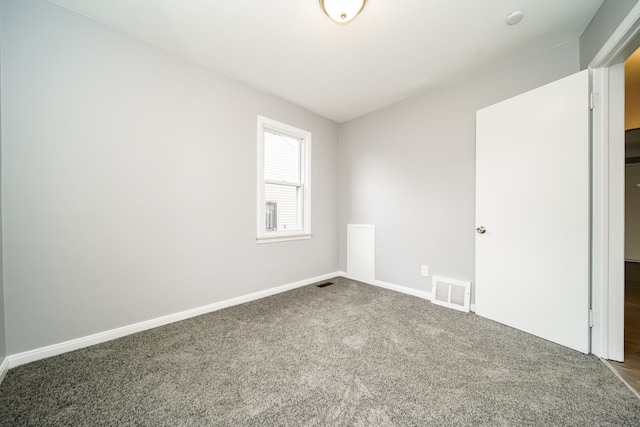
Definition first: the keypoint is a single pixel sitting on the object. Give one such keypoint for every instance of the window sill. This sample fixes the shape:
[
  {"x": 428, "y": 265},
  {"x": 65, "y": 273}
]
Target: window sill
[{"x": 283, "y": 238}]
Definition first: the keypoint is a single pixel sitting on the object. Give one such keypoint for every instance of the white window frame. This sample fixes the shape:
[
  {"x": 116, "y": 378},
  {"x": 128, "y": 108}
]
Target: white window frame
[{"x": 304, "y": 207}]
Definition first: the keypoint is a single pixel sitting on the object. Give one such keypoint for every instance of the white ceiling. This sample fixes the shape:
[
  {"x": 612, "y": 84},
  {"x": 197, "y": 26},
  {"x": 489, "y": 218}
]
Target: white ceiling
[{"x": 393, "y": 50}]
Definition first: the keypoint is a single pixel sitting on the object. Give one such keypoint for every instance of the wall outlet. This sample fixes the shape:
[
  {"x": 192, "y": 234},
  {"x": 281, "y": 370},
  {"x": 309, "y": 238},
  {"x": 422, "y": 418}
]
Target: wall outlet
[{"x": 425, "y": 270}]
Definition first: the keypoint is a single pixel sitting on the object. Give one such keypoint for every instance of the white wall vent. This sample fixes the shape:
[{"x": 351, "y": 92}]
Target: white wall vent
[{"x": 451, "y": 293}]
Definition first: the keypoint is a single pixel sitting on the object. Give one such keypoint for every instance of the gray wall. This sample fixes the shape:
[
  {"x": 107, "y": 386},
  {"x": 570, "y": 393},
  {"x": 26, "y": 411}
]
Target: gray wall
[
  {"x": 410, "y": 169},
  {"x": 601, "y": 27},
  {"x": 129, "y": 181}
]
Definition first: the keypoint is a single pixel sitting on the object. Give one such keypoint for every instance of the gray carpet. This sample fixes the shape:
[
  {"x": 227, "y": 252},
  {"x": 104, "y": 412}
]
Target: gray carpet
[{"x": 345, "y": 355}]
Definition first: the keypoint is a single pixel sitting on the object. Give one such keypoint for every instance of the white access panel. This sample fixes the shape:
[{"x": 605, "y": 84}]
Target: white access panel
[
  {"x": 532, "y": 198},
  {"x": 361, "y": 252}
]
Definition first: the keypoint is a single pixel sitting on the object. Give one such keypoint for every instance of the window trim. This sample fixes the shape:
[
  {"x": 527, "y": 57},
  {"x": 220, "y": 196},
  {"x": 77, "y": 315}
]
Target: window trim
[{"x": 266, "y": 124}]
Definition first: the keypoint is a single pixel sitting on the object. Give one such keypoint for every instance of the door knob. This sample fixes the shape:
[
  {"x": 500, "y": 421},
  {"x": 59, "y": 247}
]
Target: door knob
[{"x": 481, "y": 230}]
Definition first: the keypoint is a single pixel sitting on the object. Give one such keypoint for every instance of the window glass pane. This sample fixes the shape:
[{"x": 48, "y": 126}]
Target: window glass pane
[
  {"x": 281, "y": 157},
  {"x": 271, "y": 216},
  {"x": 284, "y": 199}
]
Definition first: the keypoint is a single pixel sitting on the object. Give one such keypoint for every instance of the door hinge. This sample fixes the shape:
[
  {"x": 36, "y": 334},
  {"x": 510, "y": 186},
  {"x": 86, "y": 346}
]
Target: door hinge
[
  {"x": 592, "y": 100},
  {"x": 591, "y": 322}
]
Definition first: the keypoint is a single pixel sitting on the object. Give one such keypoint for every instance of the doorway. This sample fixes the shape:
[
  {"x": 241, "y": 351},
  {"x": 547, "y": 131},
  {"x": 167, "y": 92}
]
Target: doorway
[
  {"x": 629, "y": 369},
  {"x": 608, "y": 188}
]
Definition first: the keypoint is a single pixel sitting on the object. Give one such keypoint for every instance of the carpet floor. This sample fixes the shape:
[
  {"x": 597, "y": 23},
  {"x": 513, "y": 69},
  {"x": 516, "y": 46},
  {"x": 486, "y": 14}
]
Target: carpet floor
[{"x": 348, "y": 354}]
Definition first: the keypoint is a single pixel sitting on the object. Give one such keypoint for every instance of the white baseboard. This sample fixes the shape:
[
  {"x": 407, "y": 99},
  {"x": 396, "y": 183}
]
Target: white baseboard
[
  {"x": 18, "y": 359},
  {"x": 4, "y": 367},
  {"x": 402, "y": 289},
  {"x": 13, "y": 360}
]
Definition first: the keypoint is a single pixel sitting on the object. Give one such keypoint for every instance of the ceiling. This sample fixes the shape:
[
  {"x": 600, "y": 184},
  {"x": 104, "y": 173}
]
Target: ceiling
[{"x": 392, "y": 51}]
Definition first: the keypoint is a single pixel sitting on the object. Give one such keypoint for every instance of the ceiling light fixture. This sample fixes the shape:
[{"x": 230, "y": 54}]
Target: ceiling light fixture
[{"x": 342, "y": 11}]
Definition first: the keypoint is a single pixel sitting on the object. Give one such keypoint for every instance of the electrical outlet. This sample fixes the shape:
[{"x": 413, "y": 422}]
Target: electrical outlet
[{"x": 425, "y": 270}]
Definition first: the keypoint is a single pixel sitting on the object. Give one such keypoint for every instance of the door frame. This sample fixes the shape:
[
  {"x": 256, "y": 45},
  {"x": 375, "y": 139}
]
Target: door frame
[{"x": 607, "y": 208}]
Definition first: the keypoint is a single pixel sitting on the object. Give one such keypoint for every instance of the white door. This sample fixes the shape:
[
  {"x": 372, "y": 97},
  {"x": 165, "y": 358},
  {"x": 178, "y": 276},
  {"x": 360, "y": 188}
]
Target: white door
[
  {"x": 532, "y": 198},
  {"x": 361, "y": 252}
]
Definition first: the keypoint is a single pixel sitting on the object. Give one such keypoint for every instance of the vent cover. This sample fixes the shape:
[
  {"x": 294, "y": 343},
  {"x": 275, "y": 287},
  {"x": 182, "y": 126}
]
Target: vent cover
[
  {"x": 451, "y": 293},
  {"x": 325, "y": 284}
]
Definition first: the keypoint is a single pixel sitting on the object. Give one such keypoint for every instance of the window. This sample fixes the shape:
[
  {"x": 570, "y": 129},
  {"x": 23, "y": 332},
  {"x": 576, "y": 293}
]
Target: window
[{"x": 284, "y": 190}]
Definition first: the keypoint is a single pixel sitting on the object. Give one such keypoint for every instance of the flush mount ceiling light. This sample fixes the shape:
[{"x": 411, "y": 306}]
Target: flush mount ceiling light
[{"x": 342, "y": 11}]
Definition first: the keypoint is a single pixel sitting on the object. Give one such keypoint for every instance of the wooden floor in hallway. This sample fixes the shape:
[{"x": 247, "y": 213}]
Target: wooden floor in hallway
[{"x": 630, "y": 369}]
